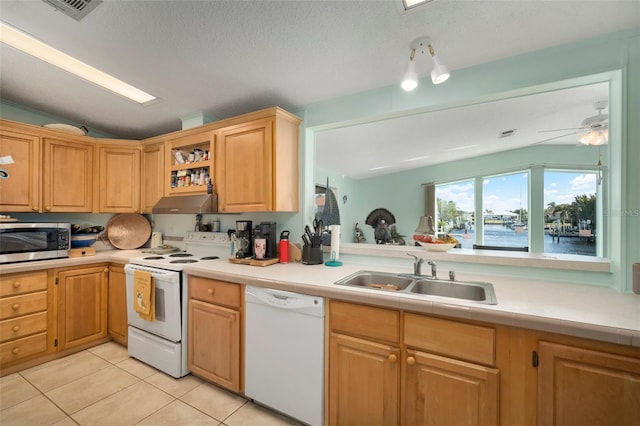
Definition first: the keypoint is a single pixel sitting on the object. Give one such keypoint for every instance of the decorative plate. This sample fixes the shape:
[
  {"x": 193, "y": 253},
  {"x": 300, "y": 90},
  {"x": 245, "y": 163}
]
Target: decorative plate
[{"x": 128, "y": 231}]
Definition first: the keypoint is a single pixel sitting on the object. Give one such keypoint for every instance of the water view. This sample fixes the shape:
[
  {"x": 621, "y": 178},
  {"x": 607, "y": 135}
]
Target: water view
[{"x": 500, "y": 235}]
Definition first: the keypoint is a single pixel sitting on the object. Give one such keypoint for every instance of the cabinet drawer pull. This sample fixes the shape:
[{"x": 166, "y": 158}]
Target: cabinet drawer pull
[
  {"x": 15, "y": 351},
  {"x": 16, "y": 328},
  {"x": 211, "y": 291},
  {"x": 15, "y": 306},
  {"x": 17, "y": 284},
  {"x": 393, "y": 358},
  {"x": 411, "y": 360}
]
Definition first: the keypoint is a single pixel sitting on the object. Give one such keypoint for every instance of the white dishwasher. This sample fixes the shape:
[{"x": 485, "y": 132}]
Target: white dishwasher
[{"x": 284, "y": 354}]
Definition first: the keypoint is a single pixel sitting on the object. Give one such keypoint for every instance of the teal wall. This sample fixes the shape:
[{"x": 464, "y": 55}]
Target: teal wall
[{"x": 614, "y": 57}]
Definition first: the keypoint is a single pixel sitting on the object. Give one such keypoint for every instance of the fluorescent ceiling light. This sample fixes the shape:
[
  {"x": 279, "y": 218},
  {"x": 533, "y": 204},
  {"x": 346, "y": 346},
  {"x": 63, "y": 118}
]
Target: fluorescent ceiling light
[
  {"x": 40, "y": 50},
  {"x": 408, "y": 4}
]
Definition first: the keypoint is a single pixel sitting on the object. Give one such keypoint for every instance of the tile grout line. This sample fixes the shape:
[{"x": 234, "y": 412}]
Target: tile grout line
[{"x": 48, "y": 399}]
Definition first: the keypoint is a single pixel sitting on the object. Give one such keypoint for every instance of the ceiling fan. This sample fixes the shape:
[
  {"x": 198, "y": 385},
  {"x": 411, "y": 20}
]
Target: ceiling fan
[{"x": 595, "y": 129}]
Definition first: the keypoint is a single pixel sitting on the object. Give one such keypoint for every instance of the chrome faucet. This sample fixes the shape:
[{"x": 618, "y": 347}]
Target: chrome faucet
[{"x": 417, "y": 266}]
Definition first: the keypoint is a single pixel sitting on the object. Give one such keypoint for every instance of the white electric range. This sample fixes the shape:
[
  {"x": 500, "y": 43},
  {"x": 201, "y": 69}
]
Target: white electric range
[{"x": 162, "y": 343}]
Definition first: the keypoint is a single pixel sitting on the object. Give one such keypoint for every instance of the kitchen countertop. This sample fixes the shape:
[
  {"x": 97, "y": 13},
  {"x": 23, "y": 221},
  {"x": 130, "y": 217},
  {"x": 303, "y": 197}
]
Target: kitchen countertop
[{"x": 587, "y": 311}]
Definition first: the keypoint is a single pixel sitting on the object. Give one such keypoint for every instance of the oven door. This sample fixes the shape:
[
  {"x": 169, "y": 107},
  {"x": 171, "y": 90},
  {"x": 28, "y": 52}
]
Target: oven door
[{"x": 168, "y": 321}]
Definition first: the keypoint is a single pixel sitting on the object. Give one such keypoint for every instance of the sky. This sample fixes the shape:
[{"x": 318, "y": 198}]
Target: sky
[{"x": 509, "y": 192}]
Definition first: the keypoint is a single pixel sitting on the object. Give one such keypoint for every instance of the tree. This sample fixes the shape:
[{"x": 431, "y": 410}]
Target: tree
[{"x": 585, "y": 207}]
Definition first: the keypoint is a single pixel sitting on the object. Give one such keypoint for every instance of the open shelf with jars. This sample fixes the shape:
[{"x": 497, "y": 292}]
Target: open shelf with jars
[{"x": 190, "y": 160}]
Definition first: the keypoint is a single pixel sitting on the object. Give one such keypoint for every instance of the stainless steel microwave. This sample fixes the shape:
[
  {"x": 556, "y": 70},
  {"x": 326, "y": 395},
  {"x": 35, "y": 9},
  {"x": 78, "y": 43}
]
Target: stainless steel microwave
[{"x": 21, "y": 241}]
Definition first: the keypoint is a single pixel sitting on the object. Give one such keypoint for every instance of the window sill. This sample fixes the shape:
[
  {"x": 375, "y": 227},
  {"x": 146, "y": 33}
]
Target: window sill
[{"x": 486, "y": 257}]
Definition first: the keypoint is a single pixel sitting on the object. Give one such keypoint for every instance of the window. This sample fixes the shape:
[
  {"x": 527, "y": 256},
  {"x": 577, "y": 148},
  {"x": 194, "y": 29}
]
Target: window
[
  {"x": 571, "y": 211},
  {"x": 455, "y": 211},
  {"x": 505, "y": 200}
]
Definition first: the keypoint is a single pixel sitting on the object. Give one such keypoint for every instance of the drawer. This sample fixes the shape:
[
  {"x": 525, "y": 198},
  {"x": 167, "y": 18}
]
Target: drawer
[
  {"x": 22, "y": 348},
  {"x": 450, "y": 338},
  {"x": 23, "y": 326},
  {"x": 218, "y": 292},
  {"x": 11, "y": 307},
  {"x": 14, "y": 284},
  {"x": 366, "y": 321}
]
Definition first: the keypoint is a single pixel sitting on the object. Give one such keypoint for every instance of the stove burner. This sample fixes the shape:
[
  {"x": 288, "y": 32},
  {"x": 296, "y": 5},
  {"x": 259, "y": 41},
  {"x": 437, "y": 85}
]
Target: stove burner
[
  {"x": 181, "y": 255},
  {"x": 153, "y": 258},
  {"x": 184, "y": 261},
  {"x": 210, "y": 257}
]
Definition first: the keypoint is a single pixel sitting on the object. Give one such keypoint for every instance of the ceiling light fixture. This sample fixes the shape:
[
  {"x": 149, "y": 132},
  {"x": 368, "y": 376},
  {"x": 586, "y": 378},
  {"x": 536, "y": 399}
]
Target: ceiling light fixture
[
  {"x": 31, "y": 46},
  {"x": 408, "y": 4},
  {"x": 595, "y": 137},
  {"x": 440, "y": 72}
]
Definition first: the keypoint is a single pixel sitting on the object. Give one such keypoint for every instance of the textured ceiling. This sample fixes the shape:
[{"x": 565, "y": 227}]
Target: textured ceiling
[{"x": 225, "y": 58}]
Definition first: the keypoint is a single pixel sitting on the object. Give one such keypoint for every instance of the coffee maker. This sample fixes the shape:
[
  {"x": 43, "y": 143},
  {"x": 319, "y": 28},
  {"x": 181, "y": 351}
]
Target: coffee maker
[
  {"x": 244, "y": 243},
  {"x": 267, "y": 231}
]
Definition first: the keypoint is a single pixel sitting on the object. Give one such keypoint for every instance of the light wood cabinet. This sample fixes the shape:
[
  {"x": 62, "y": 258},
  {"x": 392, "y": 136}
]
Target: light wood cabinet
[
  {"x": 117, "y": 311},
  {"x": 214, "y": 332},
  {"x": 364, "y": 365},
  {"x": 153, "y": 176},
  {"x": 82, "y": 305},
  {"x": 440, "y": 390},
  {"x": 189, "y": 173},
  {"x": 582, "y": 386},
  {"x": 257, "y": 164},
  {"x": 20, "y": 183},
  {"x": 24, "y": 316},
  {"x": 119, "y": 180},
  {"x": 67, "y": 176},
  {"x": 438, "y": 371}
]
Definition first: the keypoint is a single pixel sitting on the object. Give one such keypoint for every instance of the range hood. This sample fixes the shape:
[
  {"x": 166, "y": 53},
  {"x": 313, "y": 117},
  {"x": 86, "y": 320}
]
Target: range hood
[{"x": 192, "y": 204}]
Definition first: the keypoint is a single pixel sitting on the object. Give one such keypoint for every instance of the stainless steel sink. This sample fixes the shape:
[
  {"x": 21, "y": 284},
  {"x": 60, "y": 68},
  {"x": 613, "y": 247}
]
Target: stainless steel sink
[
  {"x": 377, "y": 280},
  {"x": 479, "y": 292}
]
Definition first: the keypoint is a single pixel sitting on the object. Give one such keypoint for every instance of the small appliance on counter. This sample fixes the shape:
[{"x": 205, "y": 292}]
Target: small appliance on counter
[
  {"x": 244, "y": 240},
  {"x": 266, "y": 232}
]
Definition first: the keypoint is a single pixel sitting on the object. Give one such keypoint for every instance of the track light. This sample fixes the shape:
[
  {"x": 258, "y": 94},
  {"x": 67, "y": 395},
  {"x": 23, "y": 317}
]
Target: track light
[{"x": 440, "y": 72}]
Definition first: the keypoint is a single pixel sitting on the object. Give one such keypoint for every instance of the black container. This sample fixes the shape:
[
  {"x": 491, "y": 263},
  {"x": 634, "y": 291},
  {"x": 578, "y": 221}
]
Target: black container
[
  {"x": 312, "y": 255},
  {"x": 244, "y": 240},
  {"x": 267, "y": 230}
]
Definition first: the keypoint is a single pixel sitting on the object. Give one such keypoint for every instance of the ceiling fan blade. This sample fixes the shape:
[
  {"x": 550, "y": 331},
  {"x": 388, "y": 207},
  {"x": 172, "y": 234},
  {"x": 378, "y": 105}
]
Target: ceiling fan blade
[
  {"x": 561, "y": 130},
  {"x": 558, "y": 137}
]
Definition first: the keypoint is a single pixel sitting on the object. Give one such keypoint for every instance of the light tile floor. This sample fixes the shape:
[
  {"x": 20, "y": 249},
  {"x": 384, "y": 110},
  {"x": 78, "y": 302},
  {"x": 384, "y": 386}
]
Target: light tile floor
[{"x": 104, "y": 386}]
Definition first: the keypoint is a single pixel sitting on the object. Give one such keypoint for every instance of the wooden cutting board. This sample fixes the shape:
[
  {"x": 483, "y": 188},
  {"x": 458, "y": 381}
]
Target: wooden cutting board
[{"x": 255, "y": 262}]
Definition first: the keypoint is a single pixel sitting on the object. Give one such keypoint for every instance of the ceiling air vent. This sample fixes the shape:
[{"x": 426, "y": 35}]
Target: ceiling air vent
[
  {"x": 77, "y": 9},
  {"x": 506, "y": 133}
]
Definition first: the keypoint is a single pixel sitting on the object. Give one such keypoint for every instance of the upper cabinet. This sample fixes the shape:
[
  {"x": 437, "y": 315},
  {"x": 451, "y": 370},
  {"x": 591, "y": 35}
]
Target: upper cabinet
[
  {"x": 153, "y": 176},
  {"x": 190, "y": 163},
  {"x": 20, "y": 180},
  {"x": 67, "y": 176},
  {"x": 250, "y": 161},
  {"x": 257, "y": 163},
  {"x": 119, "y": 169}
]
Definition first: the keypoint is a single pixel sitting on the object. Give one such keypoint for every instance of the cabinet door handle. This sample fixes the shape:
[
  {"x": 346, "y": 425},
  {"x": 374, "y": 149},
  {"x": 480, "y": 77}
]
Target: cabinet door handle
[
  {"x": 106, "y": 270},
  {"x": 393, "y": 358},
  {"x": 16, "y": 306},
  {"x": 411, "y": 360},
  {"x": 16, "y": 328},
  {"x": 47, "y": 208},
  {"x": 211, "y": 291},
  {"x": 15, "y": 351},
  {"x": 17, "y": 284}
]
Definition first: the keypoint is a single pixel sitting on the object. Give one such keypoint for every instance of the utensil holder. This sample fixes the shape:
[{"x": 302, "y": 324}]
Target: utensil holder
[{"x": 312, "y": 255}]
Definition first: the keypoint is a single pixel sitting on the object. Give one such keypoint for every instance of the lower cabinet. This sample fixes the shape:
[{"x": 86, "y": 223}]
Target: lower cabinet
[
  {"x": 82, "y": 305},
  {"x": 364, "y": 381},
  {"x": 117, "y": 304},
  {"x": 24, "y": 316},
  {"x": 435, "y": 372},
  {"x": 214, "y": 331},
  {"x": 582, "y": 386},
  {"x": 440, "y": 390}
]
